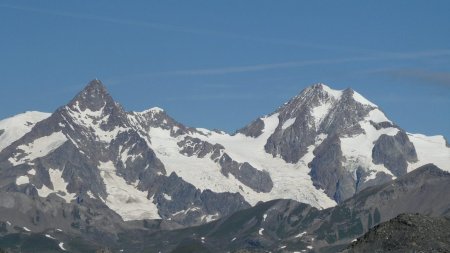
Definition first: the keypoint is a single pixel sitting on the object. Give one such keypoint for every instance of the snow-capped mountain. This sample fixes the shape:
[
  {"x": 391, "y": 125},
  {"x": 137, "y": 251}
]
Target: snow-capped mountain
[
  {"x": 91, "y": 150},
  {"x": 319, "y": 148}
]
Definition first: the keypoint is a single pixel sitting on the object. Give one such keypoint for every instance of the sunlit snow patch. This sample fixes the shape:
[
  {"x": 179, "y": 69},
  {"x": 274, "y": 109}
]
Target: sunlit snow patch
[
  {"x": 22, "y": 180},
  {"x": 129, "y": 202},
  {"x": 335, "y": 93},
  {"x": 359, "y": 98},
  {"x": 49, "y": 236},
  {"x": 288, "y": 123},
  {"x": 300, "y": 235},
  {"x": 167, "y": 197},
  {"x": 38, "y": 148},
  {"x": 260, "y": 232},
  {"x": 59, "y": 186},
  {"x": 61, "y": 246},
  {"x": 430, "y": 149}
]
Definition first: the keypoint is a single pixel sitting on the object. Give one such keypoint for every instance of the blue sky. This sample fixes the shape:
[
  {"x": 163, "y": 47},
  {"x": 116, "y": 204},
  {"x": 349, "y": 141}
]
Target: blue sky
[{"x": 221, "y": 64}]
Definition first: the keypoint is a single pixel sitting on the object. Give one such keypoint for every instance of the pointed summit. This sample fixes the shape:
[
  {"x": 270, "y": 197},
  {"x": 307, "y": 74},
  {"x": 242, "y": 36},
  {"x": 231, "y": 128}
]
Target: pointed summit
[
  {"x": 96, "y": 85},
  {"x": 94, "y": 97},
  {"x": 310, "y": 97},
  {"x": 324, "y": 88}
]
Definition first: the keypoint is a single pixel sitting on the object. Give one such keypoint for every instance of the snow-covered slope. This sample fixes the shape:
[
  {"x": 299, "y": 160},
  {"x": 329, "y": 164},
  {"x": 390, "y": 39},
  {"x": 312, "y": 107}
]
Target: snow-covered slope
[
  {"x": 430, "y": 149},
  {"x": 289, "y": 180},
  {"x": 11, "y": 129}
]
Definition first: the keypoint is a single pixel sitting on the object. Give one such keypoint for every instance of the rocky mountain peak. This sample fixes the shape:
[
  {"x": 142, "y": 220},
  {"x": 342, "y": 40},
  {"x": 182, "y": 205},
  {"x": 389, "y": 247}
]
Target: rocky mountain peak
[
  {"x": 309, "y": 98},
  {"x": 316, "y": 109},
  {"x": 323, "y": 89},
  {"x": 93, "y": 97},
  {"x": 157, "y": 117},
  {"x": 319, "y": 90}
]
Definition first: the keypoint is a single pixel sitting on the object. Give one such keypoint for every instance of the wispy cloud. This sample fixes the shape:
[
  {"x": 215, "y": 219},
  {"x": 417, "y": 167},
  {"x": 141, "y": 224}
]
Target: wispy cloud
[
  {"x": 418, "y": 75},
  {"x": 294, "y": 64}
]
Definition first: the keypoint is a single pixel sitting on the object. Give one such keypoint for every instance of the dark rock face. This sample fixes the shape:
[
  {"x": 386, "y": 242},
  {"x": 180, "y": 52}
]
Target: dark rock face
[
  {"x": 406, "y": 233},
  {"x": 345, "y": 116},
  {"x": 39, "y": 214},
  {"x": 138, "y": 156},
  {"x": 259, "y": 181},
  {"x": 362, "y": 183},
  {"x": 381, "y": 125},
  {"x": 423, "y": 190},
  {"x": 93, "y": 97},
  {"x": 181, "y": 204},
  {"x": 394, "y": 152},
  {"x": 327, "y": 171},
  {"x": 291, "y": 143},
  {"x": 79, "y": 171},
  {"x": 254, "y": 129},
  {"x": 196, "y": 147}
]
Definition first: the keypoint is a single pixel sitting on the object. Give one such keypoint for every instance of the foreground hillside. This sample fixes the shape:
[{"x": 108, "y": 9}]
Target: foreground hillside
[{"x": 406, "y": 233}]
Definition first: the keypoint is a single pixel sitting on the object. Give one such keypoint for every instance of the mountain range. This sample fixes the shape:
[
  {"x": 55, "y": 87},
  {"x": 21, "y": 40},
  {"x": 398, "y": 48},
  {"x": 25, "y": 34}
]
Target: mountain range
[{"x": 328, "y": 164}]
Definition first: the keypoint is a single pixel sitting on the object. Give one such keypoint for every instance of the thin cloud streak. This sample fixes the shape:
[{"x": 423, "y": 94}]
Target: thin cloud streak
[
  {"x": 292, "y": 64},
  {"x": 419, "y": 75}
]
